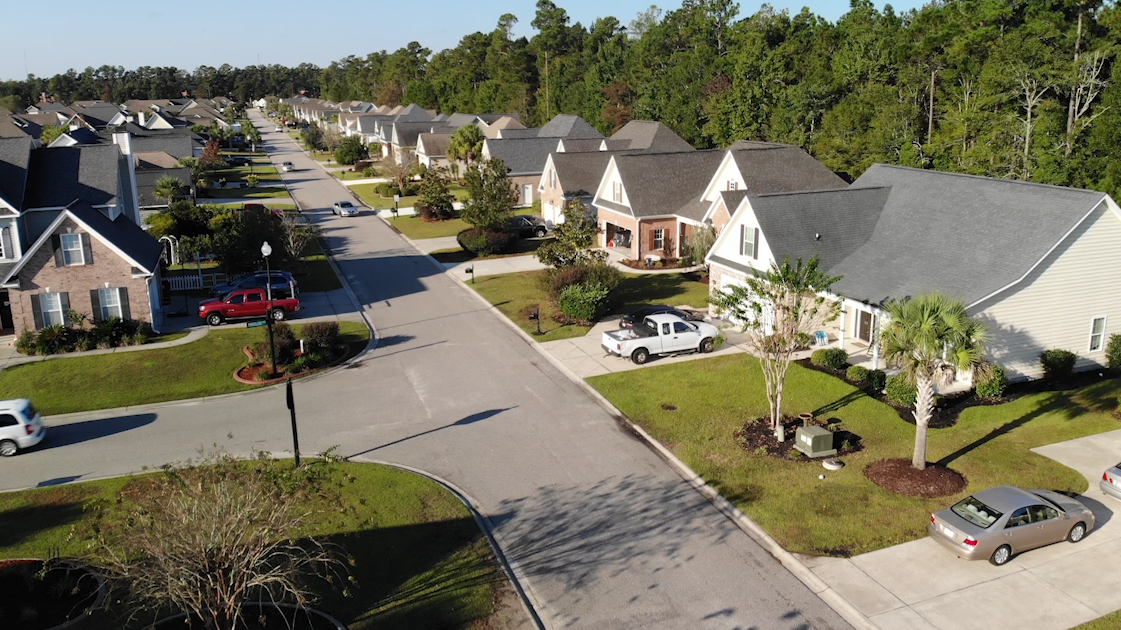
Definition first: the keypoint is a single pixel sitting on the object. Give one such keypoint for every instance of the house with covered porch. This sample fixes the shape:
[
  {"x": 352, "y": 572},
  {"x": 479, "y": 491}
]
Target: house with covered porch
[{"x": 1036, "y": 264}]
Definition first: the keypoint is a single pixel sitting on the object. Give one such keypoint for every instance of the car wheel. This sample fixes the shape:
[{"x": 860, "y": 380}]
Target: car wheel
[
  {"x": 8, "y": 448},
  {"x": 278, "y": 314},
  {"x": 214, "y": 319},
  {"x": 707, "y": 345},
  {"x": 539, "y": 232},
  {"x": 640, "y": 356},
  {"x": 1077, "y": 533},
  {"x": 1001, "y": 556}
]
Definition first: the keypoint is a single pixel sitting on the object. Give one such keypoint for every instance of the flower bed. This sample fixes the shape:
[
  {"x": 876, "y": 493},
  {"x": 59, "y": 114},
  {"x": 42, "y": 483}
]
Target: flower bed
[{"x": 34, "y": 599}]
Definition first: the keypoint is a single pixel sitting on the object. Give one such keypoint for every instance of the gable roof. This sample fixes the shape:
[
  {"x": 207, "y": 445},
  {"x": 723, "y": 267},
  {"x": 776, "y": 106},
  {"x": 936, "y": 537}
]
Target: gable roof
[
  {"x": 81, "y": 135},
  {"x": 15, "y": 156},
  {"x": 579, "y": 174},
  {"x": 965, "y": 235},
  {"x": 579, "y": 145},
  {"x": 522, "y": 156},
  {"x": 59, "y": 176},
  {"x": 100, "y": 114},
  {"x": 773, "y": 168},
  {"x": 154, "y": 159},
  {"x": 568, "y": 126},
  {"x": 177, "y": 146},
  {"x": 659, "y": 184},
  {"x": 510, "y": 133},
  {"x": 490, "y": 119},
  {"x": 435, "y": 144},
  {"x": 648, "y": 135}
]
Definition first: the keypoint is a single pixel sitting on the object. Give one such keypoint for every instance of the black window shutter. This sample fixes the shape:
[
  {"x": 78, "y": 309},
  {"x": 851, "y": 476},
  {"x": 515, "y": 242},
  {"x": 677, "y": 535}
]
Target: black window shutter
[
  {"x": 56, "y": 243},
  {"x": 36, "y": 311},
  {"x": 64, "y": 297},
  {"x": 122, "y": 295},
  {"x": 95, "y": 304},
  {"x": 743, "y": 233},
  {"x": 87, "y": 251},
  {"x": 755, "y": 244}
]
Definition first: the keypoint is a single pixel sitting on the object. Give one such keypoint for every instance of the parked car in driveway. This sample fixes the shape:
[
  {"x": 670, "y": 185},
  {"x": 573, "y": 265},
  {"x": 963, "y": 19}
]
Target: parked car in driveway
[
  {"x": 282, "y": 281},
  {"x": 659, "y": 334},
  {"x": 344, "y": 209},
  {"x": 628, "y": 320},
  {"x": 1111, "y": 482},
  {"x": 287, "y": 167},
  {"x": 237, "y": 160},
  {"x": 244, "y": 303},
  {"x": 20, "y": 426},
  {"x": 526, "y": 226},
  {"x": 998, "y": 523}
]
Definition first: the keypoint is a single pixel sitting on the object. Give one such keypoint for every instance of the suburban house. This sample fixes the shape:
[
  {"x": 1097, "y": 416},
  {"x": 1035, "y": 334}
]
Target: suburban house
[
  {"x": 568, "y": 178},
  {"x": 526, "y": 153},
  {"x": 1026, "y": 259},
  {"x": 432, "y": 149},
  {"x": 70, "y": 235}
]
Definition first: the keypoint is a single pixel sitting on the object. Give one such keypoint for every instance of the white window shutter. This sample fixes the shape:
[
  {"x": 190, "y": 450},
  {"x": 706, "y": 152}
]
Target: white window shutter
[{"x": 6, "y": 242}]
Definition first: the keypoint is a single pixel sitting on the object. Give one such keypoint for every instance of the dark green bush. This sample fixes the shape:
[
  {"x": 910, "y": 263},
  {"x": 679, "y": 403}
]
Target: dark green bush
[
  {"x": 52, "y": 339},
  {"x": 483, "y": 243},
  {"x": 584, "y": 302},
  {"x": 321, "y": 337},
  {"x": 1058, "y": 364},
  {"x": 994, "y": 384},
  {"x": 387, "y": 189},
  {"x": 877, "y": 379},
  {"x": 1113, "y": 352},
  {"x": 557, "y": 279},
  {"x": 605, "y": 275},
  {"x": 284, "y": 340},
  {"x": 833, "y": 358},
  {"x": 25, "y": 343},
  {"x": 901, "y": 391},
  {"x": 857, "y": 373}
]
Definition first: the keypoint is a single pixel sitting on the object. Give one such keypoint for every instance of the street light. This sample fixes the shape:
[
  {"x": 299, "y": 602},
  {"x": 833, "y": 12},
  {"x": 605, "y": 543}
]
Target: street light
[{"x": 266, "y": 250}]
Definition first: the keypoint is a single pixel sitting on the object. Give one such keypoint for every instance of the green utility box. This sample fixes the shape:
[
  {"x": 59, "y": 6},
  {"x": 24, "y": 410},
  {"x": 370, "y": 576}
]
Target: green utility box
[{"x": 815, "y": 441}]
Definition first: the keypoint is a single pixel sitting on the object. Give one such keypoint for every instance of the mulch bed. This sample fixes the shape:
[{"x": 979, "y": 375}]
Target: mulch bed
[
  {"x": 756, "y": 436},
  {"x": 897, "y": 475},
  {"x": 665, "y": 263},
  {"x": 27, "y": 603}
]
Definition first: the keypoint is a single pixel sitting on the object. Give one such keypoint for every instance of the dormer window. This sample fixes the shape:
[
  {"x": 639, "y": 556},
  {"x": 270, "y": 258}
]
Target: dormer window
[
  {"x": 617, "y": 192},
  {"x": 732, "y": 184},
  {"x": 72, "y": 253}
]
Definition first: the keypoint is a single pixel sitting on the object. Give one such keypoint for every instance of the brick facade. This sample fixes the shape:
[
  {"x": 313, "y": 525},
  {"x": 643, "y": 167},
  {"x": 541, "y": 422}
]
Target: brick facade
[
  {"x": 520, "y": 182},
  {"x": 721, "y": 216},
  {"x": 669, "y": 248},
  {"x": 77, "y": 281},
  {"x": 717, "y": 276},
  {"x": 608, "y": 220}
]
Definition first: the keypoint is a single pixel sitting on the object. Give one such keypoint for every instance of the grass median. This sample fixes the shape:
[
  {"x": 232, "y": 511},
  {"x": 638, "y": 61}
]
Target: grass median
[
  {"x": 371, "y": 198},
  {"x": 846, "y": 514},
  {"x": 420, "y": 561},
  {"x": 200, "y": 368}
]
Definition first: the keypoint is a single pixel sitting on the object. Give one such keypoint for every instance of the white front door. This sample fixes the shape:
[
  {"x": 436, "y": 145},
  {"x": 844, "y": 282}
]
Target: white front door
[{"x": 527, "y": 195}]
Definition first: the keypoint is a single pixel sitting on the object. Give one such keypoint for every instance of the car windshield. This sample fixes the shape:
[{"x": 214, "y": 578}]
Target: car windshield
[
  {"x": 344, "y": 204},
  {"x": 1046, "y": 500},
  {"x": 976, "y": 512},
  {"x": 30, "y": 411}
]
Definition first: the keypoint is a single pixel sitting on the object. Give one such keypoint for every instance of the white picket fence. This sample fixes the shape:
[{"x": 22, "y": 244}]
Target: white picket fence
[{"x": 195, "y": 281}]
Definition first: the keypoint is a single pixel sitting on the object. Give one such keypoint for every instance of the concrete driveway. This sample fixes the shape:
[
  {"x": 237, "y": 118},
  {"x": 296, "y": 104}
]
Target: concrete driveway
[{"x": 920, "y": 586}]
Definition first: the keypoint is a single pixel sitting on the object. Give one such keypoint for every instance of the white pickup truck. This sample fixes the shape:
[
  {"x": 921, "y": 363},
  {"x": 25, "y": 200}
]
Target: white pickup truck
[{"x": 660, "y": 334}]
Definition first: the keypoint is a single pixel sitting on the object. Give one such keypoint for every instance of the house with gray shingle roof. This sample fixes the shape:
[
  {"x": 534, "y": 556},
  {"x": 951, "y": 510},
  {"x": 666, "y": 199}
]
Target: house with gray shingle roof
[
  {"x": 1030, "y": 261},
  {"x": 70, "y": 236}
]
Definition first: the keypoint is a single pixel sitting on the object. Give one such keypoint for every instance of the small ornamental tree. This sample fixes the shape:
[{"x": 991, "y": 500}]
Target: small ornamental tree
[
  {"x": 211, "y": 155},
  {"x": 779, "y": 309},
  {"x": 351, "y": 150},
  {"x": 168, "y": 189},
  {"x": 492, "y": 196},
  {"x": 434, "y": 199},
  {"x": 401, "y": 174},
  {"x": 50, "y": 133},
  {"x": 466, "y": 145},
  {"x": 572, "y": 241}
]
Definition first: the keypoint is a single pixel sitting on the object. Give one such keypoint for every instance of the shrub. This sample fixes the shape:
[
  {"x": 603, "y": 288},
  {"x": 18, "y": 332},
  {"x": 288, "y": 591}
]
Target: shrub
[
  {"x": 877, "y": 379},
  {"x": 557, "y": 280},
  {"x": 584, "y": 302},
  {"x": 857, "y": 373},
  {"x": 52, "y": 339},
  {"x": 110, "y": 331},
  {"x": 901, "y": 391},
  {"x": 321, "y": 337},
  {"x": 1058, "y": 364},
  {"x": 286, "y": 345},
  {"x": 25, "y": 343},
  {"x": 1113, "y": 351},
  {"x": 387, "y": 189},
  {"x": 483, "y": 242},
  {"x": 84, "y": 344},
  {"x": 604, "y": 275},
  {"x": 833, "y": 358},
  {"x": 263, "y": 374},
  {"x": 993, "y": 385},
  {"x": 298, "y": 365}
]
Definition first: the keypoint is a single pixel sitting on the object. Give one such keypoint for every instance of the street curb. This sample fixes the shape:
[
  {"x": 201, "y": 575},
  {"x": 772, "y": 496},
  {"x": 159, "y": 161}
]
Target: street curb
[
  {"x": 799, "y": 570},
  {"x": 528, "y": 598}
]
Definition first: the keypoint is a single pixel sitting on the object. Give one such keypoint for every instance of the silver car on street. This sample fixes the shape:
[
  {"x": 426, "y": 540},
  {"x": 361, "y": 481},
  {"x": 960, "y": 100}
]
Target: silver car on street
[
  {"x": 1111, "y": 482},
  {"x": 998, "y": 523}
]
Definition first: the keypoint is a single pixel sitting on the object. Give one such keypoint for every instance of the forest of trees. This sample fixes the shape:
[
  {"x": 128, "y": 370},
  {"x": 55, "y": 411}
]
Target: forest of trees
[{"x": 1024, "y": 89}]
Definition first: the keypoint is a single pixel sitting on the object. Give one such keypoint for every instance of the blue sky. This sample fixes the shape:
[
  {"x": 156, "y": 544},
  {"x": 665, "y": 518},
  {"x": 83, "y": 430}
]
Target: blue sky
[{"x": 206, "y": 32}]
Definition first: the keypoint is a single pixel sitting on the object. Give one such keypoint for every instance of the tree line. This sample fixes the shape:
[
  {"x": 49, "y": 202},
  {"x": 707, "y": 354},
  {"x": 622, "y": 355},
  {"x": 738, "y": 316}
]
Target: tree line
[{"x": 1019, "y": 89}]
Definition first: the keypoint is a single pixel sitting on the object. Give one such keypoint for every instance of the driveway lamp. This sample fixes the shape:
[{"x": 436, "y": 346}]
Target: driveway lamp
[{"x": 266, "y": 251}]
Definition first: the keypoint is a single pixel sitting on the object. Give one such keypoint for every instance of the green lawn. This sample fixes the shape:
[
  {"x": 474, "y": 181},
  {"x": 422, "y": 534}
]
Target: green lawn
[
  {"x": 521, "y": 248},
  {"x": 349, "y": 175},
  {"x": 517, "y": 295},
  {"x": 371, "y": 198},
  {"x": 200, "y": 368},
  {"x": 412, "y": 226},
  {"x": 320, "y": 156},
  {"x": 286, "y": 204},
  {"x": 272, "y": 192},
  {"x": 846, "y": 513},
  {"x": 420, "y": 561},
  {"x": 1112, "y": 621},
  {"x": 264, "y": 170}
]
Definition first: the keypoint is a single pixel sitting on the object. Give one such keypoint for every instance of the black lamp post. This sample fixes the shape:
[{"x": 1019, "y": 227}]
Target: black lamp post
[
  {"x": 396, "y": 200},
  {"x": 266, "y": 250}
]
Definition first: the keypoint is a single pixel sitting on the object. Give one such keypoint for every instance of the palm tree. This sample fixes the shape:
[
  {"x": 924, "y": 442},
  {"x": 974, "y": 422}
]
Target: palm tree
[
  {"x": 930, "y": 338},
  {"x": 167, "y": 189},
  {"x": 466, "y": 144}
]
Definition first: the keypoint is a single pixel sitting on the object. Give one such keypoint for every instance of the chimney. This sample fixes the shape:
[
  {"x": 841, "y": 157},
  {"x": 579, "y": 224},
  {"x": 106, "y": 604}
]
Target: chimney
[
  {"x": 185, "y": 94},
  {"x": 140, "y": 118},
  {"x": 124, "y": 141},
  {"x": 42, "y": 97}
]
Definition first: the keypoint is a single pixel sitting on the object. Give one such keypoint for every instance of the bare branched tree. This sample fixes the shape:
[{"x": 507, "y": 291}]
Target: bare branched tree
[
  {"x": 210, "y": 538},
  {"x": 297, "y": 234}
]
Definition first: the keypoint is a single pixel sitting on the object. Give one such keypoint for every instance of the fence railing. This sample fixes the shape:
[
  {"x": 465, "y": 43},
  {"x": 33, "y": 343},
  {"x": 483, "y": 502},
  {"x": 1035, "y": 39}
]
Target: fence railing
[{"x": 195, "y": 281}]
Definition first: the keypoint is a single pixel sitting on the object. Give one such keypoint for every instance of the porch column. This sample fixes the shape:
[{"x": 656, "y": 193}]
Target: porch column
[
  {"x": 841, "y": 327},
  {"x": 875, "y": 340}
]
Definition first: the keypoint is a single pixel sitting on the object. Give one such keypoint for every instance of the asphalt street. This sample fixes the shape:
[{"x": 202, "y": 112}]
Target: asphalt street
[{"x": 601, "y": 532}]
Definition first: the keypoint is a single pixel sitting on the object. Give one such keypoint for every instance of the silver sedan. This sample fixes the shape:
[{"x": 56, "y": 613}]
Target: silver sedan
[
  {"x": 344, "y": 209},
  {"x": 1111, "y": 482},
  {"x": 1001, "y": 522}
]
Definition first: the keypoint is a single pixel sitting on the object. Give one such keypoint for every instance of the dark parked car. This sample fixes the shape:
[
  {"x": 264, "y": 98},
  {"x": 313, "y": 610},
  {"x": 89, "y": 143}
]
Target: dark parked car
[
  {"x": 629, "y": 320},
  {"x": 282, "y": 281},
  {"x": 526, "y": 226},
  {"x": 237, "y": 160}
]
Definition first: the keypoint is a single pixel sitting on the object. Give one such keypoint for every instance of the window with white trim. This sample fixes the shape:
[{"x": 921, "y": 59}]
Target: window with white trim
[
  {"x": 552, "y": 178},
  {"x": 617, "y": 192},
  {"x": 72, "y": 250},
  {"x": 732, "y": 184},
  {"x": 51, "y": 305},
  {"x": 659, "y": 238},
  {"x": 110, "y": 300},
  {"x": 1097, "y": 334},
  {"x": 749, "y": 246}
]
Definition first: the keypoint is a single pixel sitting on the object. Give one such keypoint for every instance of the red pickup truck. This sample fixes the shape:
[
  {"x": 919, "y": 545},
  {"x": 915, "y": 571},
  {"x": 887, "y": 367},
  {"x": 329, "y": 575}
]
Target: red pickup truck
[{"x": 247, "y": 303}]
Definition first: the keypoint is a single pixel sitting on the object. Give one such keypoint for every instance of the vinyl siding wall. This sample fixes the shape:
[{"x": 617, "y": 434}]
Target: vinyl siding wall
[{"x": 1054, "y": 307}]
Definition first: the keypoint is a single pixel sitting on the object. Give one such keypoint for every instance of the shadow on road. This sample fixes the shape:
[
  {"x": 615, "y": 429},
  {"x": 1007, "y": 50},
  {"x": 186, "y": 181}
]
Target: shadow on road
[
  {"x": 462, "y": 422},
  {"x": 78, "y": 432}
]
